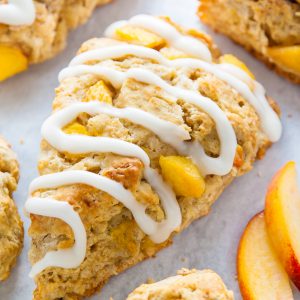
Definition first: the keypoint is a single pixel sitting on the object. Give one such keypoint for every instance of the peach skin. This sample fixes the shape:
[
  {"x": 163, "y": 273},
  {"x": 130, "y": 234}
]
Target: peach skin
[
  {"x": 282, "y": 213},
  {"x": 260, "y": 273}
]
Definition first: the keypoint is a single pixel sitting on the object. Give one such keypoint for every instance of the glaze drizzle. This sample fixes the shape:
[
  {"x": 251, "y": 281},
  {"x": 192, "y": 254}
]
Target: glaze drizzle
[
  {"x": 17, "y": 12},
  {"x": 168, "y": 132}
]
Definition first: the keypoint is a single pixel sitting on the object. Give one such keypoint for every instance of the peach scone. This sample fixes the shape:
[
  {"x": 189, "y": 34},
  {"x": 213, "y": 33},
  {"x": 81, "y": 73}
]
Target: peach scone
[
  {"x": 149, "y": 126},
  {"x": 32, "y": 31},
  {"x": 270, "y": 29},
  {"x": 11, "y": 226},
  {"x": 186, "y": 285}
]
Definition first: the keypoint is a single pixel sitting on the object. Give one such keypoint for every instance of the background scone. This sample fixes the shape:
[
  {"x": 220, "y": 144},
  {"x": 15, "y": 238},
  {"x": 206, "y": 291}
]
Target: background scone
[
  {"x": 33, "y": 31},
  {"x": 144, "y": 137},
  {"x": 270, "y": 29},
  {"x": 11, "y": 226},
  {"x": 187, "y": 285}
]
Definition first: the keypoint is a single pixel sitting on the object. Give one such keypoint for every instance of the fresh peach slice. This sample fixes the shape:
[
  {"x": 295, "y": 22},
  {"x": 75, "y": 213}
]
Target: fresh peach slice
[
  {"x": 260, "y": 273},
  {"x": 283, "y": 219}
]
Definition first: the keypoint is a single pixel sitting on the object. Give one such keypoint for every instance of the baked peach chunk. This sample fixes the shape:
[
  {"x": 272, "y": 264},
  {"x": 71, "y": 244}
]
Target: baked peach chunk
[
  {"x": 282, "y": 212},
  {"x": 75, "y": 128},
  {"x": 231, "y": 59},
  {"x": 260, "y": 273},
  {"x": 99, "y": 92},
  {"x": 287, "y": 57},
  {"x": 183, "y": 176},
  {"x": 12, "y": 61},
  {"x": 172, "y": 53},
  {"x": 139, "y": 36}
]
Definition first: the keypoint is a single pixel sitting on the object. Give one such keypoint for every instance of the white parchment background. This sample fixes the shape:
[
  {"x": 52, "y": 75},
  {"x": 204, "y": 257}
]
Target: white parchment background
[{"x": 25, "y": 101}]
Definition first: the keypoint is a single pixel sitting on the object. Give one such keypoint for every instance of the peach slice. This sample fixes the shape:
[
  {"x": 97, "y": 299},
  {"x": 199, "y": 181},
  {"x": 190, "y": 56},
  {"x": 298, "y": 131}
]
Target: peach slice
[
  {"x": 282, "y": 212},
  {"x": 260, "y": 273}
]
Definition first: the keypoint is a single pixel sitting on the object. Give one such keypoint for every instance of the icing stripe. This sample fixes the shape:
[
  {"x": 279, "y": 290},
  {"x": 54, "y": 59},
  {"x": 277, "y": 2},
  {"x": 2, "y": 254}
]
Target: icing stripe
[
  {"x": 208, "y": 165},
  {"x": 185, "y": 43},
  {"x": 113, "y": 188},
  {"x": 231, "y": 74},
  {"x": 166, "y": 131},
  {"x": 52, "y": 133},
  {"x": 66, "y": 258},
  {"x": 17, "y": 12},
  {"x": 158, "y": 232}
]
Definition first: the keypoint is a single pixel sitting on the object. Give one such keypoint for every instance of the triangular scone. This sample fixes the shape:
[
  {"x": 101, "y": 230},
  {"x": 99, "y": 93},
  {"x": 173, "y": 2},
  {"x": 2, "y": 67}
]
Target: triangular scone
[
  {"x": 32, "y": 31},
  {"x": 11, "y": 226},
  {"x": 268, "y": 29},
  {"x": 138, "y": 123},
  {"x": 186, "y": 285}
]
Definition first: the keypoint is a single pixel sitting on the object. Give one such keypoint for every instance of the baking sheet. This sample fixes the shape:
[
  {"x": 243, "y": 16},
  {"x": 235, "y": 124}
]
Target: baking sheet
[{"x": 208, "y": 243}]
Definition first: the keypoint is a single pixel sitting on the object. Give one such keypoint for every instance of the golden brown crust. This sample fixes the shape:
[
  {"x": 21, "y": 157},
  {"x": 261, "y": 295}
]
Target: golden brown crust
[
  {"x": 288, "y": 75},
  {"x": 11, "y": 226},
  {"x": 114, "y": 241},
  {"x": 127, "y": 171},
  {"x": 187, "y": 285},
  {"x": 47, "y": 35},
  {"x": 256, "y": 25}
]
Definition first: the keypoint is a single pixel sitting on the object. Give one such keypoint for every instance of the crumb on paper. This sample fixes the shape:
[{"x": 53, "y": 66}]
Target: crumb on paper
[
  {"x": 150, "y": 280},
  {"x": 21, "y": 141},
  {"x": 183, "y": 259},
  {"x": 259, "y": 174},
  {"x": 290, "y": 115},
  {"x": 235, "y": 277}
]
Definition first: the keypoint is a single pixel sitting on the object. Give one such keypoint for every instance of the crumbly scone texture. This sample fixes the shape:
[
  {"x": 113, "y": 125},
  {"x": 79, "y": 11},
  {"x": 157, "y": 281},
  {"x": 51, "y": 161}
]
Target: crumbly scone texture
[
  {"x": 114, "y": 241},
  {"x": 11, "y": 226},
  {"x": 48, "y": 34},
  {"x": 187, "y": 285},
  {"x": 256, "y": 25}
]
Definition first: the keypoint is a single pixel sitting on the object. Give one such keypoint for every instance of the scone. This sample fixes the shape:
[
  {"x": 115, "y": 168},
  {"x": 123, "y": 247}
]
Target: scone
[
  {"x": 147, "y": 131},
  {"x": 32, "y": 31},
  {"x": 187, "y": 285},
  {"x": 270, "y": 29},
  {"x": 11, "y": 226}
]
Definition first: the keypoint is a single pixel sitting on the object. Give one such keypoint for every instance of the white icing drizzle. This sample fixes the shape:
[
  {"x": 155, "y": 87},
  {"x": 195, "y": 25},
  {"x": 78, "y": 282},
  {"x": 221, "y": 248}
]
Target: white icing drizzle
[
  {"x": 66, "y": 258},
  {"x": 208, "y": 165},
  {"x": 185, "y": 43},
  {"x": 17, "y": 12},
  {"x": 168, "y": 132},
  {"x": 231, "y": 74},
  {"x": 51, "y": 131},
  {"x": 72, "y": 257}
]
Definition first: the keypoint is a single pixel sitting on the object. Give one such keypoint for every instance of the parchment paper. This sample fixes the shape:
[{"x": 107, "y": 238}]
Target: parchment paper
[{"x": 208, "y": 243}]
